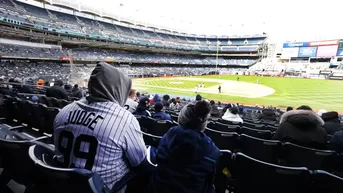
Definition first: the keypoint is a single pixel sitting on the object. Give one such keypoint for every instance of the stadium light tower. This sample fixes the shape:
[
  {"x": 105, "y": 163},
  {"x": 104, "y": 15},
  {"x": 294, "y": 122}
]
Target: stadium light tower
[{"x": 218, "y": 44}]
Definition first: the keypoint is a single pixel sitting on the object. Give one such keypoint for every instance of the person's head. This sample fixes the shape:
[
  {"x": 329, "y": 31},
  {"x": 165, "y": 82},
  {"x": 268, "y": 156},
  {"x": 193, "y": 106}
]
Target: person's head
[
  {"x": 107, "y": 83},
  {"x": 195, "y": 116},
  {"x": 58, "y": 83},
  {"x": 304, "y": 107},
  {"x": 212, "y": 102},
  {"x": 198, "y": 97},
  {"x": 166, "y": 97},
  {"x": 328, "y": 116},
  {"x": 321, "y": 111},
  {"x": 138, "y": 94},
  {"x": 289, "y": 108},
  {"x": 234, "y": 110},
  {"x": 132, "y": 93},
  {"x": 158, "y": 107},
  {"x": 143, "y": 102},
  {"x": 35, "y": 99},
  {"x": 76, "y": 86}
]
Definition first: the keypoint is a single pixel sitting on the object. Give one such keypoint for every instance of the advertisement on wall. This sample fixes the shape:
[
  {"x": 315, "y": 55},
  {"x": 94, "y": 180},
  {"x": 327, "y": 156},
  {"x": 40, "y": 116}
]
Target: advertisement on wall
[
  {"x": 327, "y": 51},
  {"x": 289, "y": 52},
  {"x": 324, "y": 43},
  {"x": 295, "y": 44},
  {"x": 307, "y": 52}
]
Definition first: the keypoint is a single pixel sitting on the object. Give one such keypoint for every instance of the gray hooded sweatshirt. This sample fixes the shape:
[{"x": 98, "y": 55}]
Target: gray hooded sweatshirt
[{"x": 100, "y": 126}]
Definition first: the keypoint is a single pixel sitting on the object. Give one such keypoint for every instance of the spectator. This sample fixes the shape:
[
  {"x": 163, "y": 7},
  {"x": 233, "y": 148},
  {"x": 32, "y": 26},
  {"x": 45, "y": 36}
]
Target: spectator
[
  {"x": 336, "y": 142},
  {"x": 303, "y": 127},
  {"x": 268, "y": 114},
  {"x": 198, "y": 97},
  {"x": 68, "y": 88},
  {"x": 332, "y": 123},
  {"x": 321, "y": 111},
  {"x": 76, "y": 91},
  {"x": 138, "y": 96},
  {"x": 228, "y": 106},
  {"x": 165, "y": 100},
  {"x": 112, "y": 133},
  {"x": 289, "y": 108},
  {"x": 159, "y": 114},
  {"x": 142, "y": 108},
  {"x": 232, "y": 115},
  {"x": 173, "y": 104},
  {"x": 57, "y": 91},
  {"x": 156, "y": 99},
  {"x": 186, "y": 157},
  {"x": 35, "y": 99},
  {"x": 131, "y": 104},
  {"x": 214, "y": 109}
]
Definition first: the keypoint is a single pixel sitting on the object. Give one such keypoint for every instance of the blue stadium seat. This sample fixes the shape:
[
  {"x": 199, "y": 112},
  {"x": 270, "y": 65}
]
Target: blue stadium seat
[
  {"x": 314, "y": 159},
  {"x": 54, "y": 179},
  {"x": 261, "y": 149},
  {"x": 252, "y": 175}
]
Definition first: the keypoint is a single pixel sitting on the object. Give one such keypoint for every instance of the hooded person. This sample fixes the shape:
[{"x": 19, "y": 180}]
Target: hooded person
[
  {"x": 186, "y": 157},
  {"x": 302, "y": 127},
  {"x": 57, "y": 91},
  {"x": 156, "y": 99},
  {"x": 99, "y": 126},
  {"x": 232, "y": 115},
  {"x": 143, "y": 106},
  {"x": 332, "y": 124},
  {"x": 159, "y": 114},
  {"x": 268, "y": 114},
  {"x": 76, "y": 91}
]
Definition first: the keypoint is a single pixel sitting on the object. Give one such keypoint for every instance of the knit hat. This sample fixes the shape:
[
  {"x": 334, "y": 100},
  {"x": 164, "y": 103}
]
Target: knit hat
[
  {"x": 35, "y": 98},
  {"x": 198, "y": 97},
  {"x": 195, "y": 116}
]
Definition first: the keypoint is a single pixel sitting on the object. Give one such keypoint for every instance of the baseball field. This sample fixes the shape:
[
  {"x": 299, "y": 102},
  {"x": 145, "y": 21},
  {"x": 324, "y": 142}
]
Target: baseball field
[{"x": 252, "y": 90}]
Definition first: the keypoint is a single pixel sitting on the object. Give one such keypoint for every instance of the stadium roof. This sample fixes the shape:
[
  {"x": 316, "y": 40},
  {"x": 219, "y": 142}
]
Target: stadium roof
[{"x": 282, "y": 20}]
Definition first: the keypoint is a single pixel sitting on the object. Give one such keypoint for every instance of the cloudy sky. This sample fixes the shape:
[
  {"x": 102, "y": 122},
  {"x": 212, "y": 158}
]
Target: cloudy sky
[{"x": 299, "y": 20}]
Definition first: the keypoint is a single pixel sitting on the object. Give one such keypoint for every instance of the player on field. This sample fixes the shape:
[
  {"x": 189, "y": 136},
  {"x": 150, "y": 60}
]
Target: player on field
[{"x": 97, "y": 133}]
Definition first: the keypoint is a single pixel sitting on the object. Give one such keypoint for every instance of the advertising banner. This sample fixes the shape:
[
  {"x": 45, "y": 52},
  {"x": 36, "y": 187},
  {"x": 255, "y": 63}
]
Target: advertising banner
[
  {"x": 307, "y": 52},
  {"x": 324, "y": 43},
  {"x": 327, "y": 51},
  {"x": 289, "y": 52},
  {"x": 295, "y": 44}
]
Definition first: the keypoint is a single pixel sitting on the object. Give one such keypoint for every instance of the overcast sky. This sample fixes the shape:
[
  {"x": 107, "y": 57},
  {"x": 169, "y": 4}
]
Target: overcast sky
[{"x": 299, "y": 20}]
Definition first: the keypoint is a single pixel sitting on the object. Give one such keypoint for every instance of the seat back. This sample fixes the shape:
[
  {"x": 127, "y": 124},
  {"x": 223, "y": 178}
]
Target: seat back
[
  {"x": 49, "y": 117},
  {"x": 223, "y": 127},
  {"x": 37, "y": 116},
  {"x": 262, "y": 134},
  {"x": 158, "y": 127},
  {"x": 326, "y": 182},
  {"x": 54, "y": 102},
  {"x": 151, "y": 140},
  {"x": 223, "y": 168},
  {"x": 314, "y": 159},
  {"x": 261, "y": 149},
  {"x": 223, "y": 140},
  {"x": 56, "y": 180},
  {"x": 252, "y": 175}
]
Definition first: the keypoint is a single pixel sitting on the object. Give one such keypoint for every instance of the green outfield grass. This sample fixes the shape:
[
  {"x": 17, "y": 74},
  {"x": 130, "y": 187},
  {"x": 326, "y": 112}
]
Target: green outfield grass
[{"x": 319, "y": 94}]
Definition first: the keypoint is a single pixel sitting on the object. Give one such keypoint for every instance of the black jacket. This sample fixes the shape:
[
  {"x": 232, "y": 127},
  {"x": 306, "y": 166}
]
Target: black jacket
[
  {"x": 77, "y": 93},
  {"x": 302, "y": 127},
  {"x": 57, "y": 92},
  {"x": 333, "y": 126},
  {"x": 215, "y": 111},
  {"x": 268, "y": 115}
]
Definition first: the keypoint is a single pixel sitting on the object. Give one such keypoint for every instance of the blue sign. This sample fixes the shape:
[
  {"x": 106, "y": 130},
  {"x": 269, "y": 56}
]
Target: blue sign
[
  {"x": 340, "y": 52},
  {"x": 295, "y": 44},
  {"x": 307, "y": 52}
]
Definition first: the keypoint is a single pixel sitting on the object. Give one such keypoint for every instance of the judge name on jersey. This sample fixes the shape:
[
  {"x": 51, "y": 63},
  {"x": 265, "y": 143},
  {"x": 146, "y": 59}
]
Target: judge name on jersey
[{"x": 87, "y": 119}]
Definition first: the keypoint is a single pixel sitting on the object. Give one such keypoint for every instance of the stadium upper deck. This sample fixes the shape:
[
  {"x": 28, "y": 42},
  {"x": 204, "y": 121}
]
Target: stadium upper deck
[{"x": 55, "y": 19}]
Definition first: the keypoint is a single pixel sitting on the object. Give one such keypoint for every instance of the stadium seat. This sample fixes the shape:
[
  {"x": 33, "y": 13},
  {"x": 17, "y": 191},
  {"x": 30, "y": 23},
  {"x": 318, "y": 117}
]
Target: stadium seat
[
  {"x": 49, "y": 117},
  {"x": 261, "y": 149},
  {"x": 54, "y": 179},
  {"x": 299, "y": 156},
  {"x": 223, "y": 127},
  {"x": 37, "y": 116},
  {"x": 158, "y": 127},
  {"x": 224, "y": 165},
  {"x": 43, "y": 100},
  {"x": 228, "y": 122},
  {"x": 151, "y": 140},
  {"x": 326, "y": 182},
  {"x": 252, "y": 175},
  {"x": 54, "y": 102},
  {"x": 262, "y": 134},
  {"x": 16, "y": 162},
  {"x": 223, "y": 140},
  {"x": 62, "y": 103}
]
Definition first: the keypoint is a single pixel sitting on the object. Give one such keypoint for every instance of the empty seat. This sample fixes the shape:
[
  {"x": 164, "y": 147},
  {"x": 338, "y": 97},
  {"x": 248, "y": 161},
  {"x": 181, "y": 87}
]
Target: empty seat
[
  {"x": 49, "y": 117},
  {"x": 151, "y": 140},
  {"x": 223, "y": 127},
  {"x": 262, "y": 134},
  {"x": 252, "y": 175},
  {"x": 56, "y": 180},
  {"x": 326, "y": 182},
  {"x": 223, "y": 140},
  {"x": 158, "y": 127},
  {"x": 224, "y": 165},
  {"x": 296, "y": 155},
  {"x": 261, "y": 149}
]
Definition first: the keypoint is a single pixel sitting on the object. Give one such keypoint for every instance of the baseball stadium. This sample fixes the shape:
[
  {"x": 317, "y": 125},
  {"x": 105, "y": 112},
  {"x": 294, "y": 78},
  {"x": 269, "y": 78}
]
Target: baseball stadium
[{"x": 157, "y": 96}]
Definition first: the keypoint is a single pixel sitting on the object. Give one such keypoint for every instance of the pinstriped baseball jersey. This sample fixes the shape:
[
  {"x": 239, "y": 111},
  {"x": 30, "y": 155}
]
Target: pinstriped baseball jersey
[{"x": 100, "y": 136}]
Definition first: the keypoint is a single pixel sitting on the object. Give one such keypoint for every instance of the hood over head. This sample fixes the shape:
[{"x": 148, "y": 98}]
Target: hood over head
[
  {"x": 268, "y": 112},
  {"x": 156, "y": 98},
  {"x": 302, "y": 119},
  {"x": 58, "y": 83},
  {"x": 108, "y": 83}
]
